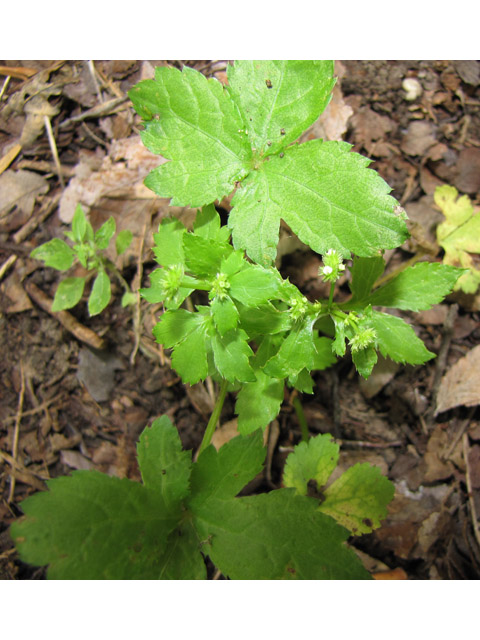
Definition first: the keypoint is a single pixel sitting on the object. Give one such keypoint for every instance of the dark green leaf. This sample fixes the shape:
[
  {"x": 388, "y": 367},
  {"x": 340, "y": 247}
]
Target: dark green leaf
[
  {"x": 397, "y": 340},
  {"x": 259, "y": 402}
]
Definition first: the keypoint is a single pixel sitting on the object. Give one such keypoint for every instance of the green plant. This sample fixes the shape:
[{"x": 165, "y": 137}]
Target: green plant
[
  {"x": 88, "y": 250},
  {"x": 253, "y": 332}
]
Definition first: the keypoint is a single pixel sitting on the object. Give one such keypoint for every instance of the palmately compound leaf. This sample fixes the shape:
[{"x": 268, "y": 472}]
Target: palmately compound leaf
[
  {"x": 313, "y": 460},
  {"x": 199, "y": 129},
  {"x": 358, "y": 499},
  {"x": 327, "y": 196},
  {"x": 279, "y": 99},
  {"x": 416, "y": 288},
  {"x": 397, "y": 340}
]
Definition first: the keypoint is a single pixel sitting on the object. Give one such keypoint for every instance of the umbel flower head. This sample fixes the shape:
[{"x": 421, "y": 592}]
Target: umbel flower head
[{"x": 333, "y": 266}]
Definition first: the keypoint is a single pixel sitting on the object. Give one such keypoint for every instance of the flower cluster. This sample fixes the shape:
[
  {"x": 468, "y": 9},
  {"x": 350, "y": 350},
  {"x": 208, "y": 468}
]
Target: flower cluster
[{"x": 333, "y": 266}]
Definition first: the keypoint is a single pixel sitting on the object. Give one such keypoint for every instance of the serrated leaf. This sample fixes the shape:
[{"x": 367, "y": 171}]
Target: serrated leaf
[
  {"x": 90, "y": 526},
  {"x": 323, "y": 356},
  {"x": 459, "y": 235},
  {"x": 123, "y": 241},
  {"x": 129, "y": 299},
  {"x": 105, "y": 233},
  {"x": 203, "y": 257},
  {"x": 358, "y": 499},
  {"x": 254, "y": 285},
  {"x": 275, "y": 536},
  {"x": 168, "y": 247},
  {"x": 69, "y": 292},
  {"x": 312, "y": 460},
  {"x": 164, "y": 465},
  {"x": 175, "y": 325},
  {"x": 190, "y": 357},
  {"x": 365, "y": 272},
  {"x": 231, "y": 354},
  {"x": 183, "y": 560},
  {"x": 279, "y": 99},
  {"x": 225, "y": 314},
  {"x": 208, "y": 225},
  {"x": 259, "y": 402},
  {"x": 364, "y": 360},
  {"x": 100, "y": 294},
  {"x": 55, "y": 253},
  {"x": 327, "y": 196},
  {"x": 416, "y": 288},
  {"x": 199, "y": 130},
  {"x": 79, "y": 224},
  {"x": 264, "y": 319},
  {"x": 397, "y": 340},
  {"x": 297, "y": 352}
]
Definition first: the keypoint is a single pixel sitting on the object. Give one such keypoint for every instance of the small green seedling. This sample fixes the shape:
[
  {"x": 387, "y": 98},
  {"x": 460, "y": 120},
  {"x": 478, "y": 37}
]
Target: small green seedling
[
  {"x": 253, "y": 332},
  {"x": 89, "y": 250}
]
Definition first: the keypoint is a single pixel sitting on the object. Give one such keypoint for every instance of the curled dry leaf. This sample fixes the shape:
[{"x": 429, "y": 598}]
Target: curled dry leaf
[
  {"x": 461, "y": 385},
  {"x": 20, "y": 188}
]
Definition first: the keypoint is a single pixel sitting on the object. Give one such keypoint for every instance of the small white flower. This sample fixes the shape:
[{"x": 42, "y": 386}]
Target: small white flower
[{"x": 327, "y": 270}]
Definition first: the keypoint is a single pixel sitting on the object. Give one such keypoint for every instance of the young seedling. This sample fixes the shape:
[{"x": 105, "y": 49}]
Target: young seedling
[
  {"x": 89, "y": 250},
  {"x": 253, "y": 332}
]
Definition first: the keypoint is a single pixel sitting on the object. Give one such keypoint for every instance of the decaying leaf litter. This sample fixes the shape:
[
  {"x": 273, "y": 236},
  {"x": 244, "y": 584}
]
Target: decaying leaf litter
[{"x": 76, "y": 391}]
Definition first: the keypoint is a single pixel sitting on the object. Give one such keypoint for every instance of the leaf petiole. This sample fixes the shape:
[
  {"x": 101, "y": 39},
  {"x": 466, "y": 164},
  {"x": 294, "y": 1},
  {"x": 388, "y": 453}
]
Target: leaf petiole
[{"x": 212, "y": 423}]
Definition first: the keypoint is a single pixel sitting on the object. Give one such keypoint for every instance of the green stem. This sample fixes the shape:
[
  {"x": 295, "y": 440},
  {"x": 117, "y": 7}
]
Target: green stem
[
  {"x": 212, "y": 423},
  {"x": 297, "y": 405},
  {"x": 330, "y": 298}
]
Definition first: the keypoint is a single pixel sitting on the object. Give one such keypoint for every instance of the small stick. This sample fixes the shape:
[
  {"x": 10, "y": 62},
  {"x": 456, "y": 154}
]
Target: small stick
[
  {"x": 93, "y": 74},
  {"x": 16, "y": 431},
  {"x": 5, "y": 86},
  {"x": 9, "y": 157},
  {"x": 6, "y": 265},
  {"x": 46, "y": 209},
  {"x": 53, "y": 148},
  {"x": 106, "y": 108},
  {"x": 82, "y": 333},
  {"x": 41, "y": 407}
]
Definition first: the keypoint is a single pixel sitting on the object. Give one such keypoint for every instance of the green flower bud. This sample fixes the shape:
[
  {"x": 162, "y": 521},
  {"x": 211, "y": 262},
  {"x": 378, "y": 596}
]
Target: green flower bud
[{"x": 333, "y": 266}]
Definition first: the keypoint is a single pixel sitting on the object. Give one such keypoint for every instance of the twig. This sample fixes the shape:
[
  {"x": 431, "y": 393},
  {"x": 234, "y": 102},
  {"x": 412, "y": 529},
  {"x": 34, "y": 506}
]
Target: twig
[
  {"x": 106, "y": 108},
  {"x": 6, "y": 82},
  {"x": 84, "y": 334},
  {"x": 41, "y": 407},
  {"x": 53, "y": 149},
  {"x": 9, "y": 157},
  {"x": 471, "y": 498},
  {"x": 46, "y": 209},
  {"x": 91, "y": 68},
  {"x": 16, "y": 431},
  {"x": 6, "y": 265}
]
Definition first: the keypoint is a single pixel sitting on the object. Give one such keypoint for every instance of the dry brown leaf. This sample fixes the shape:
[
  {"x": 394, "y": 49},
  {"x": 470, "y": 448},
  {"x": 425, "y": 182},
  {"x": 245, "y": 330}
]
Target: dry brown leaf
[
  {"x": 461, "y": 385},
  {"x": 420, "y": 136},
  {"x": 370, "y": 130},
  {"x": 20, "y": 188}
]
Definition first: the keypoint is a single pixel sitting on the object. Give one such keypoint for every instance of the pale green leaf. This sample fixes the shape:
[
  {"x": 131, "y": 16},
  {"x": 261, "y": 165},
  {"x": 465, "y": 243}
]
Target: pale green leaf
[
  {"x": 231, "y": 353},
  {"x": 105, "y": 233},
  {"x": 79, "y": 224},
  {"x": 358, "y": 499},
  {"x": 225, "y": 314},
  {"x": 313, "y": 460},
  {"x": 297, "y": 352},
  {"x": 55, "y": 253},
  {"x": 123, "y": 241},
  {"x": 168, "y": 247},
  {"x": 326, "y": 195},
  {"x": 199, "y": 130},
  {"x": 254, "y": 285},
  {"x": 69, "y": 292},
  {"x": 364, "y": 360},
  {"x": 279, "y": 99},
  {"x": 100, "y": 294}
]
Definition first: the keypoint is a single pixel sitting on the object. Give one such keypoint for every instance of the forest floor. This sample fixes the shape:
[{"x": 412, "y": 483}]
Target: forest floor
[{"x": 76, "y": 392}]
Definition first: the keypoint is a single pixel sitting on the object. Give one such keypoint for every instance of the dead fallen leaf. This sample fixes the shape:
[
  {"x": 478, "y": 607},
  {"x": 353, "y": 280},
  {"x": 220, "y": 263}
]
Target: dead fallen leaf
[
  {"x": 468, "y": 70},
  {"x": 384, "y": 371},
  {"x": 436, "y": 467},
  {"x": 468, "y": 167},
  {"x": 20, "y": 188},
  {"x": 460, "y": 386},
  {"x": 371, "y": 129},
  {"x": 419, "y": 138}
]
